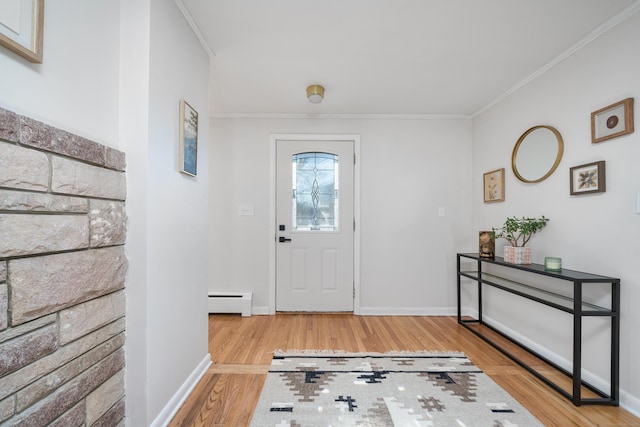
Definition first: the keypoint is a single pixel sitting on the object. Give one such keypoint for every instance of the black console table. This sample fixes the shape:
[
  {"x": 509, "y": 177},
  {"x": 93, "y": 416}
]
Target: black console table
[{"x": 573, "y": 305}]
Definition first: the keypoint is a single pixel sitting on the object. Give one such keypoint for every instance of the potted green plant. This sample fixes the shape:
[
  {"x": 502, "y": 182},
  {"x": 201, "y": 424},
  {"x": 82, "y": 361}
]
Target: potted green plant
[{"x": 518, "y": 232}]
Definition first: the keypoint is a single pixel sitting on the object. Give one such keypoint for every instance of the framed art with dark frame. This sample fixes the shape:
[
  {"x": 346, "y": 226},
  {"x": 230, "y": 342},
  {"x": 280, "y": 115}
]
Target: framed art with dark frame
[
  {"x": 188, "y": 139},
  {"x": 21, "y": 29},
  {"x": 612, "y": 121},
  {"x": 588, "y": 178},
  {"x": 493, "y": 183}
]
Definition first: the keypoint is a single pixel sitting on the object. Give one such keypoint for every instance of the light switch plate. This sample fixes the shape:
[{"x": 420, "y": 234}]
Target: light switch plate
[
  {"x": 441, "y": 211},
  {"x": 638, "y": 202},
  {"x": 245, "y": 210}
]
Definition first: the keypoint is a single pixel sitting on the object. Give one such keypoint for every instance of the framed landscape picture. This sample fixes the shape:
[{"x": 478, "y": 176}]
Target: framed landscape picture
[
  {"x": 589, "y": 178},
  {"x": 188, "y": 139},
  {"x": 494, "y": 186},
  {"x": 21, "y": 27}
]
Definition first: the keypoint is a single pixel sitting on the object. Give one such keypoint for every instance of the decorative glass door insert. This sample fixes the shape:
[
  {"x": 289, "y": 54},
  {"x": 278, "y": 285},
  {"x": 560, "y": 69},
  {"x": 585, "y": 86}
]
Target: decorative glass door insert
[{"x": 315, "y": 192}]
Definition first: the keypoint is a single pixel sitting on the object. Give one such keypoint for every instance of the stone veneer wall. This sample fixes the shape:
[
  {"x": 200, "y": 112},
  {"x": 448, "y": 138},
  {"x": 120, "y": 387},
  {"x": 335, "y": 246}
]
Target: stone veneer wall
[{"x": 62, "y": 276}]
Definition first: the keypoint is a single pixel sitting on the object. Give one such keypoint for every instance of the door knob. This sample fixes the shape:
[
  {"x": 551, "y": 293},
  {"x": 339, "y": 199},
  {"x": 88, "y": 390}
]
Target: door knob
[{"x": 283, "y": 239}]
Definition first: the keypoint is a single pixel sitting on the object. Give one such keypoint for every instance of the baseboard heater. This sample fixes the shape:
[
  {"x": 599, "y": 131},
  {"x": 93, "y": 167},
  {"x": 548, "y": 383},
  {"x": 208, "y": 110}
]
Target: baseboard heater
[{"x": 230, "y": 302}]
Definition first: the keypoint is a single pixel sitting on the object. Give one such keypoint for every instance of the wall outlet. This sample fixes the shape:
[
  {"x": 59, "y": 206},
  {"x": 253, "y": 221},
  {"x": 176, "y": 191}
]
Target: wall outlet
[{"x": 245, "y": 210}]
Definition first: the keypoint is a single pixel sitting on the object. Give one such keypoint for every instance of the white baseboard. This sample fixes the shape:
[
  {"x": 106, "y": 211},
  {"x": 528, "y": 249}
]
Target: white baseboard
[
  {"x": 627, "y": 401},
  {"x": 384, "y": 311},
  {"x": 260, "y": 311},
  {"x": 630, "y": 403},
  {"x": 554, "y": 357},
  {"x": 171, "y": 408},
  {"x": 408, "y": 311}
]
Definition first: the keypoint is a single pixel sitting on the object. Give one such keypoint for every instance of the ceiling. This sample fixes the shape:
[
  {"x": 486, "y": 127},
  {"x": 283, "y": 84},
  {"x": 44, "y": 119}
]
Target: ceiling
[{"x": 385, "y": 57}]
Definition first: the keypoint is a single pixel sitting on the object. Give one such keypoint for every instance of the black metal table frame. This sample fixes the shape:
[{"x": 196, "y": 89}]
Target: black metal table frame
[{"x": 578, "y": 279}]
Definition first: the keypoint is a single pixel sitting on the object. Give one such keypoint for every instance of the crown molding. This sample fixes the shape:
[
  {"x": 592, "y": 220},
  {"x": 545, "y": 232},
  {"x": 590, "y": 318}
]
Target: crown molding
[
  {"x": 595, "y": 34},
  {"x": 194, "y": 28},
  {"x": 341, "y": 116}
]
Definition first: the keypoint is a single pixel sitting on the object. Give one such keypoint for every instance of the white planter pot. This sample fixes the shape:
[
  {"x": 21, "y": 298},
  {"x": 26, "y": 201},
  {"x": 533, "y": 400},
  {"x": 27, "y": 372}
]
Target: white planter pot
[{"x": 517, "y": 255}]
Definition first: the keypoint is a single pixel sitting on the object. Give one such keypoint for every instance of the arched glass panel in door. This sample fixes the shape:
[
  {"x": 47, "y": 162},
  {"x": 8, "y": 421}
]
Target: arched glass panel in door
[{"x": 314, "y": 196}]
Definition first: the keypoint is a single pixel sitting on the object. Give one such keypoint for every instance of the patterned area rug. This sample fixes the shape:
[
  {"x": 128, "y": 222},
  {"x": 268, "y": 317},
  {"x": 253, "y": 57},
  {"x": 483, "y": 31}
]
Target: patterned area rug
[{"x": 410, "y": 389}]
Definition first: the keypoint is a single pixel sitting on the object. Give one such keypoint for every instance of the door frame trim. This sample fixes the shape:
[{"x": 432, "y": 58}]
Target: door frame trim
[{"x": 273, "y": 139}]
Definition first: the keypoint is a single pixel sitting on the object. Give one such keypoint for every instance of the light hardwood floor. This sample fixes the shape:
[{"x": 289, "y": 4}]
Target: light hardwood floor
[{"x": 241, "y": 349}]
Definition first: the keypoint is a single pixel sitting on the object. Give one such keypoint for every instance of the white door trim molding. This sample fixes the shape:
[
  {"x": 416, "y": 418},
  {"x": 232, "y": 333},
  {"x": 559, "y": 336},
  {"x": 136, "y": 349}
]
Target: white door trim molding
[{"x": 272, "y": 209}]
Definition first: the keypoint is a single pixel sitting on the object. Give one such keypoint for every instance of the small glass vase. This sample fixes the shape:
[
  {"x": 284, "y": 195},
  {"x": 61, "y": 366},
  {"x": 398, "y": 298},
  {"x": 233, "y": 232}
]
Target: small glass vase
[{"x": 553, "y": 263}]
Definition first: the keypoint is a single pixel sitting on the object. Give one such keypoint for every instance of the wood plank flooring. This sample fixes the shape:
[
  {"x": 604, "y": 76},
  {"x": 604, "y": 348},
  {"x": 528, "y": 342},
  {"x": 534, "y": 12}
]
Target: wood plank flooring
[{"x": 242, "y": 347}]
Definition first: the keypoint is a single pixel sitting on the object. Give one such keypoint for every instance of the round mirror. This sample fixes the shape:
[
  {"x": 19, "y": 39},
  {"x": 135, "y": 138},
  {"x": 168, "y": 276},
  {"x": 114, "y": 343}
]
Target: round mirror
[{"x": 537, "y": 154}]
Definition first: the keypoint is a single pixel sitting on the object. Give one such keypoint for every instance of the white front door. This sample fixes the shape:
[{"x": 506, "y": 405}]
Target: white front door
[{"x": 314, "y": 226}]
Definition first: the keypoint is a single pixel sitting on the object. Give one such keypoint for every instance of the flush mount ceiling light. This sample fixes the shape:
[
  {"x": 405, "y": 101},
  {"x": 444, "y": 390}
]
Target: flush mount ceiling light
[{"x": 315, "y": 93}]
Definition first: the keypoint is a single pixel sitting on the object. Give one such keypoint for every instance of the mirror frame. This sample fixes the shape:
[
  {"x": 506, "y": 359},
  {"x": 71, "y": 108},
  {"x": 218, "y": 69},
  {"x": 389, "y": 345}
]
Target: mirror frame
[{"x": 555, "y": 164}]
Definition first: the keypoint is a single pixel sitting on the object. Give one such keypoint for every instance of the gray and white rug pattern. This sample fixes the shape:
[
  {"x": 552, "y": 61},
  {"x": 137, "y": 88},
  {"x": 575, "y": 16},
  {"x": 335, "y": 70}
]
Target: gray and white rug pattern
[{"x": 407, "y": 389}]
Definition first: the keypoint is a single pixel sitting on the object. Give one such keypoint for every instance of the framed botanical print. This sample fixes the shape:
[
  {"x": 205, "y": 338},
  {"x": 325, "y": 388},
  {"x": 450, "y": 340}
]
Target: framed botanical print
[
  {"x": 588, "y": 178},
  {"x": 493, "y": 182}
]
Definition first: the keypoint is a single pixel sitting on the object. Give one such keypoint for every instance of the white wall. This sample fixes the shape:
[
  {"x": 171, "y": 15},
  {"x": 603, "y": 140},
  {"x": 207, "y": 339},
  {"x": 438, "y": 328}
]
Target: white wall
[
  {"x": 595, "y": 233},
  {"x": 95, "y": 81},
  {"x": 177, "y": 210},
  {"x": 76, "y": 86},
  {"x": 409, "y": 168},
  {"x": 134, "y": 138}
]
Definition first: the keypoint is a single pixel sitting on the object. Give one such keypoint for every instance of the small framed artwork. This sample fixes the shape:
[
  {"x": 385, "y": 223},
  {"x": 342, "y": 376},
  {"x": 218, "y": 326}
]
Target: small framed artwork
[
  {"x": 612, "y": 121},
  {"x": 589, "y": 178},
  {"x": 494, "y": 186},
  {"x": 21, "y": 27},
  {"x": 188, "y": 139}
]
